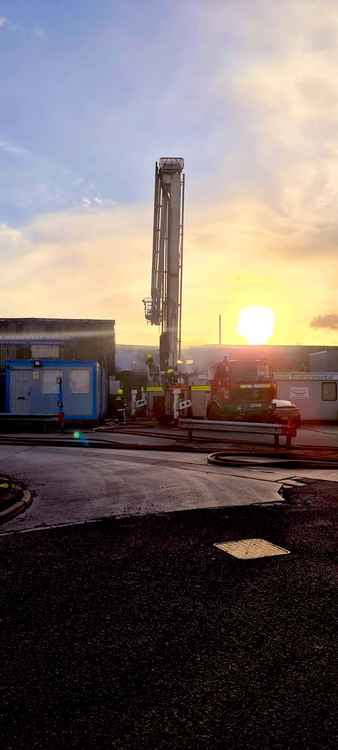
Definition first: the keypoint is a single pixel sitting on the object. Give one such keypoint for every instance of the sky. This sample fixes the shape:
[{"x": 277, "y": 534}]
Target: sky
[{"x": 93, "y": 92}]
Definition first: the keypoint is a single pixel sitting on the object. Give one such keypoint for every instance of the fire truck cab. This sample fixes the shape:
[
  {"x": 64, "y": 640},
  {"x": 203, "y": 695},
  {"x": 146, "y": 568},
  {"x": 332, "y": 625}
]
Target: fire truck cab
[{"x": 246, "y": 391}]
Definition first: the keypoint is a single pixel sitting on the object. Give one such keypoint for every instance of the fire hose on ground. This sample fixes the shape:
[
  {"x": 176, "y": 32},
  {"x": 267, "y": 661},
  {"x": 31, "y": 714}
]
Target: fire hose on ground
[{"x": 272, "y": 461}]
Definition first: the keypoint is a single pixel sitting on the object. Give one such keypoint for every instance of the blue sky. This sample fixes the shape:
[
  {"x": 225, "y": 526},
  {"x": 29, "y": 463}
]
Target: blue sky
[{"x": 92, "y": 92}]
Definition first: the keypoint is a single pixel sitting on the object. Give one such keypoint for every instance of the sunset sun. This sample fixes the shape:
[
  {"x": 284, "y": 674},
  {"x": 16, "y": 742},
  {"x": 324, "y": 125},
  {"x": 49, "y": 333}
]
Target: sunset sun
[{"x": 256, "y": 324}]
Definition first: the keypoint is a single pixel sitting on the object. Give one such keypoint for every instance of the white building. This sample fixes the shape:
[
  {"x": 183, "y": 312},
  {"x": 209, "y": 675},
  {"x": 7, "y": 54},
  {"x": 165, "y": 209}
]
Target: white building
[{"x": 314, "y": 393}]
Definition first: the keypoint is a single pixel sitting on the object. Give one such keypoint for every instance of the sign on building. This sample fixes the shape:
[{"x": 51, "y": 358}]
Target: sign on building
[{"x": 299, "y": 392}]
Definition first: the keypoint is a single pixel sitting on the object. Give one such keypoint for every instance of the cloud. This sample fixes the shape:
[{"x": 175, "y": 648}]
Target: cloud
[
  {"x": 40, "y": 33},
  {"x": 284, "y": 89},
  {"x": 32, "y": 183},
  {"x": 79, "y": 265},
  {"x": 5, "y": 22},
  {"x": 36, "y": 31},
  {"x": 11, "y": 239},
  {"x": 98, "y": 264},
  {"x": 259, "y": 235},
  {"x": 96, "y": 202},
  {"x": 325, "y": 321},
  {"x": 13, "y": 148}
]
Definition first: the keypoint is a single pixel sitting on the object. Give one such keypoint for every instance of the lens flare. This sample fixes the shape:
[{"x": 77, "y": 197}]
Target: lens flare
[{"x": 256, "y": 324}]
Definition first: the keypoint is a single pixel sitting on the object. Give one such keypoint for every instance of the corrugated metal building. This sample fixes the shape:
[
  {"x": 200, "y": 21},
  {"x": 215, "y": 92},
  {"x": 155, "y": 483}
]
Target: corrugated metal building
[
  {"x": 58, "y": 338},
  {"x": 325, "y": 360}
]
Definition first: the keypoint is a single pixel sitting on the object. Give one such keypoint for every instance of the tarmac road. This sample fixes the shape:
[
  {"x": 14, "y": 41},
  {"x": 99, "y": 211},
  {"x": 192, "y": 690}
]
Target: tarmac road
[
  {"x": 138, "y": 634},
  {"x": 74, "y": 485}
]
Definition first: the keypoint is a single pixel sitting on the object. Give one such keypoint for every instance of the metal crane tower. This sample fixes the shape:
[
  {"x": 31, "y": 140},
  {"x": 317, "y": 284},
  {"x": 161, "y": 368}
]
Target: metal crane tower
[{"x": 164, "y": 307}]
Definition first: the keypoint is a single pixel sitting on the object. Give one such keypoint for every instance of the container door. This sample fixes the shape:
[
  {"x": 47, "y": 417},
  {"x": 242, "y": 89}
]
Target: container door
[{"x": 21, "y": 389}]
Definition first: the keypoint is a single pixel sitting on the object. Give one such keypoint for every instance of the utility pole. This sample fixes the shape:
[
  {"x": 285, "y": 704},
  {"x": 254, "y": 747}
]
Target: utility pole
[{"x": 220, "y": 329}]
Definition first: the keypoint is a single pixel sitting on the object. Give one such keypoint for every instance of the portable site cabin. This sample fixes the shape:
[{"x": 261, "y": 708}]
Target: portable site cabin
[
  {"x": 314, "y": 393},
  {"x": 32, "y": 388}
]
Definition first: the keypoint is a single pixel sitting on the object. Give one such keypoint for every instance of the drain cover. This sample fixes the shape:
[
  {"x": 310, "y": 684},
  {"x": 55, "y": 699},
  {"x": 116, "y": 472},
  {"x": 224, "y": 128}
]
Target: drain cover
[{"x": 250, "y": 549}]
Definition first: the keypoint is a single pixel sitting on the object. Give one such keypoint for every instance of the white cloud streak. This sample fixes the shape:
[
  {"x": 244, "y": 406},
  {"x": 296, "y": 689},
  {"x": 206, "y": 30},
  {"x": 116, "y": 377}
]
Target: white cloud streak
[
  {"x": 37, "y": 31},
  {"x": 40, "y": 33},
  {"x": 13, "y": 148}
]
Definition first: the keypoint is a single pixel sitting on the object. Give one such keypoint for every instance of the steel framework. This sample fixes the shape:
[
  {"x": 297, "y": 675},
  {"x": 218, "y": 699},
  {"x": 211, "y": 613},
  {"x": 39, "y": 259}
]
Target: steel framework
[{"x": 164, "y": 307}]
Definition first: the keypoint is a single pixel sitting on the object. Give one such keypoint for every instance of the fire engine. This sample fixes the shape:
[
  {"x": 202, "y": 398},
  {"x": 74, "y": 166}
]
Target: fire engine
[{"x": 246, "y": 391}]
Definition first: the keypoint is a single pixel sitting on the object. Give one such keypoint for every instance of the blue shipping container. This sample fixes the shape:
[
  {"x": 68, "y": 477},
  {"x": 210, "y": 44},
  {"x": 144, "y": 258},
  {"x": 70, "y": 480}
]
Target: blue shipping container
[{"x": 32, "y": 387}]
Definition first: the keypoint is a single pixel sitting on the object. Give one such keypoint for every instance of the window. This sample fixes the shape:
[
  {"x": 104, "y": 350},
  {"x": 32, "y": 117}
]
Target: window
[
  {"x": 79, "y": 381},
  {"x": 50, "y": 381},
  {"x": 329, "y": 391}
]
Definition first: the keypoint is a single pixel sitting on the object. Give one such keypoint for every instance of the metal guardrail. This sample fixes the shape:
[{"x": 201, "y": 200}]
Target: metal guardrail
[{"x": 252, "y": 428}]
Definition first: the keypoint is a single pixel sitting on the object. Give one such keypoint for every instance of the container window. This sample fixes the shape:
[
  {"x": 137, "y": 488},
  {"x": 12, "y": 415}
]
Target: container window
[
  {"x": 329, "y": 391},
  {"x": 79, "y": 381},
  {"x": 50, "y": 383}
]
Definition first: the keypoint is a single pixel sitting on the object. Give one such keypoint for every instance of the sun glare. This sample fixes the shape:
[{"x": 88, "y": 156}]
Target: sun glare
[{"x": 256, "y": 324}]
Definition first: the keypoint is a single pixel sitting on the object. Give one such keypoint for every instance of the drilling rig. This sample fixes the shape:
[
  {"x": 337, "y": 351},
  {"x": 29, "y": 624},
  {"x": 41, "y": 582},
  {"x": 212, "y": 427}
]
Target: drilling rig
[{"x": 164, "y": 307}]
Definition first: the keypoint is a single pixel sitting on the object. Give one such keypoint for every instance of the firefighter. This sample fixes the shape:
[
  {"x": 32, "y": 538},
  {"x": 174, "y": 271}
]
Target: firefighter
[
  {"x": 120, "y": 407},
  {"x": 222, "y": 372},
  {"x": 171, "y": 374},
  {"x": 150, "y": 364},
  {"x": 60, "y": 405}
]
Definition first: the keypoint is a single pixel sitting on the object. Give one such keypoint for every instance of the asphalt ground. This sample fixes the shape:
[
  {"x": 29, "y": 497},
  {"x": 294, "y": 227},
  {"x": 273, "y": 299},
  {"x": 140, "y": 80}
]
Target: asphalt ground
[
  {"x": 138, "y": 633},
  {"x": 322, "y": 440},
  {"x": 10, "y": 493}
]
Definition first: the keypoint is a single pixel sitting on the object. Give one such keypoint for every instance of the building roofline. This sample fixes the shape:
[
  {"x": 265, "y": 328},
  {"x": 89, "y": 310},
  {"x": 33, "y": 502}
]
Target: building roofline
[{"x": 68, "y": 320}]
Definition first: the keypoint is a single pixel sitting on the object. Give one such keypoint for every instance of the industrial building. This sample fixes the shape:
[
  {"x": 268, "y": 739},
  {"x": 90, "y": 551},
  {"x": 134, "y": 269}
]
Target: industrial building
[
  {"x": 282, "y": 358},
  {"x": 58, "y": 338},
  {"x": 39, "y": 354},
  {"x": 324, "y": 360}
]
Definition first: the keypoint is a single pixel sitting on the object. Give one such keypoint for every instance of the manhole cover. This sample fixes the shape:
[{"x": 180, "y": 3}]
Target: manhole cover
[{"x": 250, "y": 549}]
